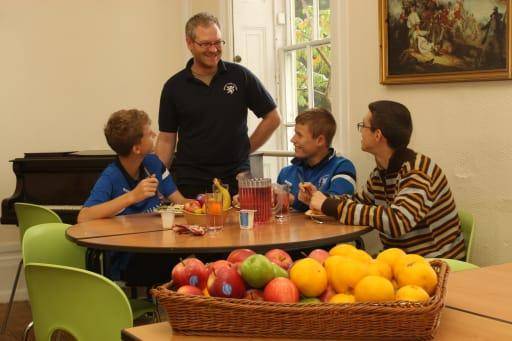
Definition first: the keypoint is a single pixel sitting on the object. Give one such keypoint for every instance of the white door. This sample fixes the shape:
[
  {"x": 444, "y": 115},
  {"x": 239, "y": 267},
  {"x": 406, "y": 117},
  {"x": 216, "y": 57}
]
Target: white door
[{"x": 253, "y": 47}]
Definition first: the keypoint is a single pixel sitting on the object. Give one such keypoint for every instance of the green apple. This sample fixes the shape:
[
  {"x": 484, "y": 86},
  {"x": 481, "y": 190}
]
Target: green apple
[
  {"x": 279, "y": 271},
  {"x": 257, "y": 271},
  {"x": 310, "y": 300}
]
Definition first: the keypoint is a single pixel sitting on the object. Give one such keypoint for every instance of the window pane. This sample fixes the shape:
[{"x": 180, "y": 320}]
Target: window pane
[
  {"x": 301, "y": 80},
  {"x": 322, "y": 76},
  {"x": 303, "y": 20},
  {"x": 325, "y": 19},
  {"x": 290, "y": 131}
]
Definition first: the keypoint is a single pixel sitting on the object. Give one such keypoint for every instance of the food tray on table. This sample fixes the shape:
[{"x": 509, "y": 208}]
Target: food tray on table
[{"x": 398, "y": 320}]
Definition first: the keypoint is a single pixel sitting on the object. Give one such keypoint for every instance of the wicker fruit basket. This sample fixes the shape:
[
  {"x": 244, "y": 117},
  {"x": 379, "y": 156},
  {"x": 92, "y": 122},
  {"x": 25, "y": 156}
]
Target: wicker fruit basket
[{"x": 400, "y": 320}]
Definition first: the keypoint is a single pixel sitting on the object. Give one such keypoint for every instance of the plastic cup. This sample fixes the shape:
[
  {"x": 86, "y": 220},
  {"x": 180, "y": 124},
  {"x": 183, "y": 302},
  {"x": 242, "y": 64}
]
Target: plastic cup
[
  {"x": 167, "y": 218},
  {"x": 246, "y": 218}
]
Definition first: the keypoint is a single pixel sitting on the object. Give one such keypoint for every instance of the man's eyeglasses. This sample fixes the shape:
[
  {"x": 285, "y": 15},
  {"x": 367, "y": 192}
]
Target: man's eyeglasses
[
  {"x": 361, "y": 125},
  {"x": 207, "y": 44}
]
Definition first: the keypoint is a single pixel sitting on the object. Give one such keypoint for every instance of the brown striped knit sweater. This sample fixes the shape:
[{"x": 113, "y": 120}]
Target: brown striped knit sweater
[{"x": 410, "y": 204}]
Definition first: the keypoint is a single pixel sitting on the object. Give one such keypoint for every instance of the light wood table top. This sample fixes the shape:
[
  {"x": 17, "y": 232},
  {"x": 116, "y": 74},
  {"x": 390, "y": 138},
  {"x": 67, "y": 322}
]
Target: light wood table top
[
  {"x": 486, "y": 291},
  {"x": 120, "y": 225},
  {"x": 298, "y": 233},
  {"x": 455, "y": 325}
]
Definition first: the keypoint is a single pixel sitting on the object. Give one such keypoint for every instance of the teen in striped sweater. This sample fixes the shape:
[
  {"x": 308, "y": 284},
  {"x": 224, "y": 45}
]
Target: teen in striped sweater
[{"x": 407, "y": 197}]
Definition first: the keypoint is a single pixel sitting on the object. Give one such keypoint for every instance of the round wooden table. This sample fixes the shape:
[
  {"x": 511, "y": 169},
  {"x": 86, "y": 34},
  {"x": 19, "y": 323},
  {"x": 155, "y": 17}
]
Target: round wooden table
[{"x": 144, "y": 233}]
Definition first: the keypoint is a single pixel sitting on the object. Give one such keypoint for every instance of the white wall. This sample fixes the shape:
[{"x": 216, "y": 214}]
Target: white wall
[
  {"x": 464, "y": 127},
  {"x": 65, "y": 66}
]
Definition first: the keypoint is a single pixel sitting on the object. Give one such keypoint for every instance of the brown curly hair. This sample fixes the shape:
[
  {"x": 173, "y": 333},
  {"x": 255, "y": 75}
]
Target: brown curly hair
[{"x": 124, "y": 129}]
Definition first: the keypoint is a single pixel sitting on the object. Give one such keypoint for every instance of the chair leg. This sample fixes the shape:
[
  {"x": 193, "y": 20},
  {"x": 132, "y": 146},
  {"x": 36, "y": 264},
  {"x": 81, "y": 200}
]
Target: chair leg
[
  {"x": 11, "y": 299},
  {"x": 27, "y": 330}
]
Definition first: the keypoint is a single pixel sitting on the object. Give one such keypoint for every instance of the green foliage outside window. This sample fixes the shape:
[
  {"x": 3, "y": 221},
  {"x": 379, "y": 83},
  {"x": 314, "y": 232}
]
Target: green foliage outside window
[{"x": 303, "y": 24}]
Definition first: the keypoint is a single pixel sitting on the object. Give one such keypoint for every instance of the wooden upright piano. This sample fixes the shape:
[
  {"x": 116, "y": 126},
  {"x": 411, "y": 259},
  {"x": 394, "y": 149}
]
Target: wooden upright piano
[{"x": 60, "y": 181}]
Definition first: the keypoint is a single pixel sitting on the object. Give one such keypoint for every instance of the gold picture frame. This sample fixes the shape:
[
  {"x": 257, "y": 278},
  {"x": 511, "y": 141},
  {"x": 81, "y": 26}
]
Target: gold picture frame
[{"x": 428, "y": 41}]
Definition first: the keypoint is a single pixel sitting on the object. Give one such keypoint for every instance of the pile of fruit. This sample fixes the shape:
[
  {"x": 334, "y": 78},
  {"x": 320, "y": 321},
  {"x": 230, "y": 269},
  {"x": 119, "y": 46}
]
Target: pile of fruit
[
  {"x": 344, "y": 274},
  {"x": 198, "y": 205}
]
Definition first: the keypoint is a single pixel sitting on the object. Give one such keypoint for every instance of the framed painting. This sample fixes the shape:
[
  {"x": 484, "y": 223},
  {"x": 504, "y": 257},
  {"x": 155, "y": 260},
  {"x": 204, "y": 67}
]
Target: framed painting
[{"x": 424, "y": 41}]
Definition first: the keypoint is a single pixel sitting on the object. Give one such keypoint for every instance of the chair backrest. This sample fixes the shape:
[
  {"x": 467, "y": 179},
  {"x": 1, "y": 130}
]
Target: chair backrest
[
  {"x": 82, "y": 303},
  {"x": 467, "y": 222},
  {"x": 47, "y": 243},
  {"x": 29, "y": 215}
]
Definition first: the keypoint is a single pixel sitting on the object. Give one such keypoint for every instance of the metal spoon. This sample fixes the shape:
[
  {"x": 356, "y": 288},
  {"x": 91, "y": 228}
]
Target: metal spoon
[{"x": 316, "y": 220}]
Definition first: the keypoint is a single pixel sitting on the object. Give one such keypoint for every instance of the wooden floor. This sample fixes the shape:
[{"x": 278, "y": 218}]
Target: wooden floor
[{"x": 21, "y": 317}]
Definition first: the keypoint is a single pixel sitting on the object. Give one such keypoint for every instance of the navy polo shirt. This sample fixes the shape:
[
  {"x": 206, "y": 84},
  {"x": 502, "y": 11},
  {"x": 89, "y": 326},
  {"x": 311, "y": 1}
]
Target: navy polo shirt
[
  {"x": 211, "y": 121},
  {"x": 114, "y": 182},
  {"x": 333, "y": 175}
]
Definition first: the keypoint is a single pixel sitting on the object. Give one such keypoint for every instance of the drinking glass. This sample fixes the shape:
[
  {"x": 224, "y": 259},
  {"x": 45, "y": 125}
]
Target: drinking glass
[
  {"x": 282, "y": 200},
  {"x": 214, "y": 213}
]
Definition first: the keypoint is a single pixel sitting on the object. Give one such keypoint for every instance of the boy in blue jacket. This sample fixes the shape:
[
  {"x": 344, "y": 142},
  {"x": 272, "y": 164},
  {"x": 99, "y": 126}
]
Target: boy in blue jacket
[
  {"x": 316, "y": 165},
  {"x": 137, "y": 182}
]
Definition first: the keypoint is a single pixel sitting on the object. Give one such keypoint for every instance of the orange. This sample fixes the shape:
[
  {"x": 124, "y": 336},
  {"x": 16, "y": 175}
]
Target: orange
[
  {"x": 342, "y": 298},
  {"x": 309, "y": 276},
  {"x": 401, "y": 262},
  {"x": 374, "y": 289},
  {"x": 412, "y": 293},
  {"x": 360, "y": 255},
  {"x": 420, "y": 274},
  {"x": 346, "y": 274},
  {"x": 214, "y": 207},
  {"x": 380, "y": 268},
  {"x": 390, "y": 256},
  {"x": 342, "y": 250}
]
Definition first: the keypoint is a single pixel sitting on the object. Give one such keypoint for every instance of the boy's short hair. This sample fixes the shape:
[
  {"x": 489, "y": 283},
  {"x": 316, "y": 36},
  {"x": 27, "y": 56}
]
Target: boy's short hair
[
  {"x": 124, "y": 129},
  {"x": 320, "y": 122},
  {"x": 394, "y": 120},
  {"x": 200, "y": 19}
]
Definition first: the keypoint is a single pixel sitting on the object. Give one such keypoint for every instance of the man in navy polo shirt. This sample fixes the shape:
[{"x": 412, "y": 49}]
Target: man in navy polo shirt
[
  {"x": 206, "y": 105},
  {"x": 316, "y": 165}
]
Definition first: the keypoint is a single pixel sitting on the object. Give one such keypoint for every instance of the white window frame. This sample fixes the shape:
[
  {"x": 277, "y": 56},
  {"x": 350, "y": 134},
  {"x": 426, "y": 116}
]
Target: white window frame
[{"x": 288, "y": 80}]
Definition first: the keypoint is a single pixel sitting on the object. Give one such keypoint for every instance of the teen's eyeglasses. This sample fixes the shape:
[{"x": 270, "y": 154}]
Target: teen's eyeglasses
[
  {"x": 361, "y": 125},
  {"x": 207, "y": 44}
]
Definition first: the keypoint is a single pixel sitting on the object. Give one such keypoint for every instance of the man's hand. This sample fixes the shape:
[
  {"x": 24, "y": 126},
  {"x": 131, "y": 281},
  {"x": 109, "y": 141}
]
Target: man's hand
[
  {"x": 317, "y": 200},
  {"x": 306, "y": 190},
  {"x": 234, "y": 201},
  {"x": 145, "y": 189}
]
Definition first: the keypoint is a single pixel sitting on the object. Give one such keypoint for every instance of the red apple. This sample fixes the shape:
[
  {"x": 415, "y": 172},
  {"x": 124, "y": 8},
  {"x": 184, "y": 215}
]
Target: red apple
[
  {"x": 327, "y": 294},
  {"x": 281, "y": 290},
  {"x": 226, "y": 282},
  {"x": 280, "y": 257},
  {"x": 190, "y": 271},
  {"x": 239, "y": 255},
  {"x": 189, "y": 290},
  {"x": 217, "y": 265},
  {"x": 319, "y": 255},
  {"x": 192, "y": 206},
  {"x": 254, "y": 295},
  {"x": 201, "y": 198}
]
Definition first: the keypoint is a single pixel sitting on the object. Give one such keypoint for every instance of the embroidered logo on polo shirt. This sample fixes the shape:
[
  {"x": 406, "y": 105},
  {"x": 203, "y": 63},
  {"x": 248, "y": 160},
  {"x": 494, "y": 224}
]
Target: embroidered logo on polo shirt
[{"x": 230, "y": 88}]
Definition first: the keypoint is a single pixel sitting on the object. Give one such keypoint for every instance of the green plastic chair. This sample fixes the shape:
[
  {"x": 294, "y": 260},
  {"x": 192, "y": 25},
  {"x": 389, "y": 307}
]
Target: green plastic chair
[
  {"x": 467, "y": 222},
  {"x": 47, "y": 243},
  {"x": 84, "y": 304},
  {"x": 28, "y": 215}
]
